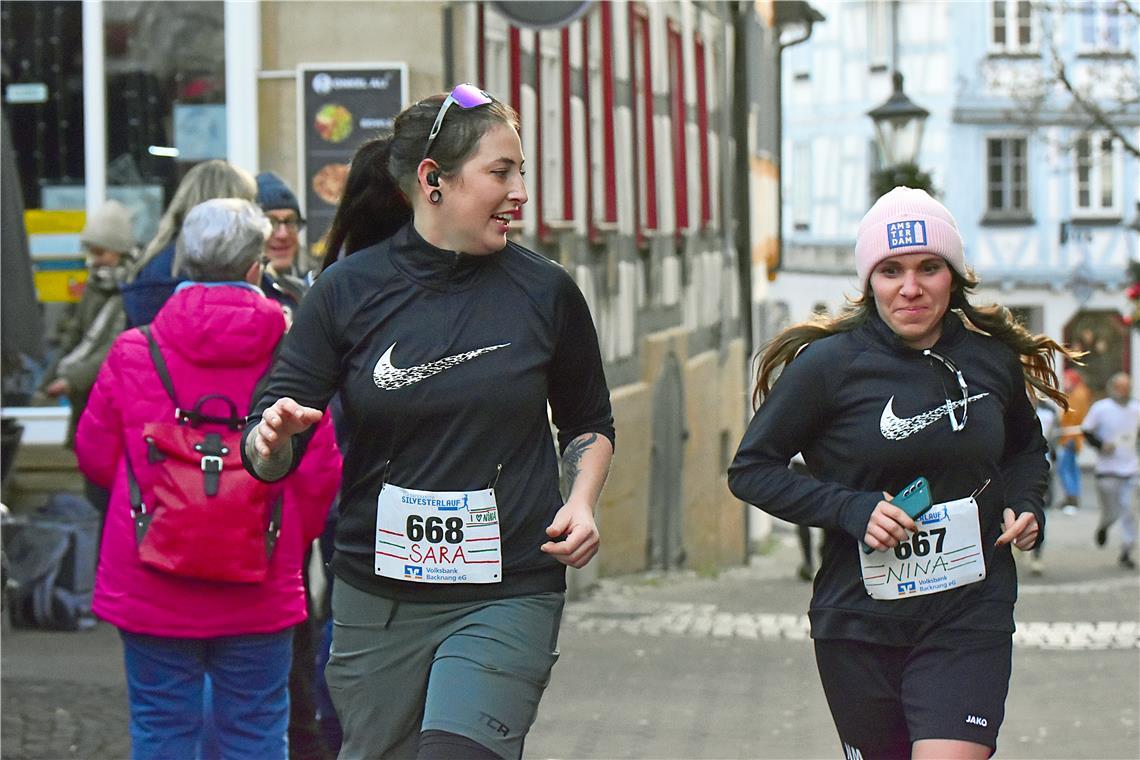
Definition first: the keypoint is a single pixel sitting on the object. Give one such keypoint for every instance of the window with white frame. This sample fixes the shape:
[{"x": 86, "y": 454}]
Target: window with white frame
[
  {"x": 641, "y": 67},
  {"x": 1011, "y": 26},
  {"x": 1007, "y": 177},
  {"x": 602, "y": 144},
  {"x": 1101, "y": 25},
  {"x": 552, "y": 107},
  {"x": 1095, "y": 174}
]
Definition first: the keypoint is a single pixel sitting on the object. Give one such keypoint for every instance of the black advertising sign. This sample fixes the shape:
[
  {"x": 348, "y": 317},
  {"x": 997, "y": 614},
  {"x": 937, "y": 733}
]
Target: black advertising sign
[{"x": 340, "y": 106}]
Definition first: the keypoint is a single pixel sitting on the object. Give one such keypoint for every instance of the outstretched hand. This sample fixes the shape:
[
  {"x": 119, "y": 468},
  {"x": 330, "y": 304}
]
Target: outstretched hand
[{"x": 281, "y": 422}]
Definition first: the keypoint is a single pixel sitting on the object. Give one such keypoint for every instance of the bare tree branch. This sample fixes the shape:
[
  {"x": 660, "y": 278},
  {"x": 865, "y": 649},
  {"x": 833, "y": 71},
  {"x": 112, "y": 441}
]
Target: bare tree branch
[{"x": 1086, "y": 104}]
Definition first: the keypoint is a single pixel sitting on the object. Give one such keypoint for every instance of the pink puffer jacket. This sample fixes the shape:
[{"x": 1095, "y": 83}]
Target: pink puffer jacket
[{"x": 215, "y": 339}]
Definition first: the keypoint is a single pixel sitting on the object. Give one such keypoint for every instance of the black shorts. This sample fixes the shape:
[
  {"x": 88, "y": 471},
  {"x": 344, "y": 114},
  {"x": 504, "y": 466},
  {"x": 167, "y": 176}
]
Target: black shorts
[{"x": 883, "y": 698}]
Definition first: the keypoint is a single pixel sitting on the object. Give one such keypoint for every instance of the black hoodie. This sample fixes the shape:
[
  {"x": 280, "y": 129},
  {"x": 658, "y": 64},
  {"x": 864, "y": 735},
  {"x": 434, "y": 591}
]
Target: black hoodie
[
  {"x": 516, "y": 334},
  {"x": 831, "y": 403}
]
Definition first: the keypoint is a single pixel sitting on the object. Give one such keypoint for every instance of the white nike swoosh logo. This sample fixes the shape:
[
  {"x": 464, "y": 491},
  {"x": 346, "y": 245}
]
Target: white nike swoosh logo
[
  {"x": 390, "y": 377},
  {"x": 897, "y": 428}
]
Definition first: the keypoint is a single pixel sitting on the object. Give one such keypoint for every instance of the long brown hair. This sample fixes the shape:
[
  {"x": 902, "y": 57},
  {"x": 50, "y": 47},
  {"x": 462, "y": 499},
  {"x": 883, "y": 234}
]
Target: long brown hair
[{"x": 1036, "y": 351}]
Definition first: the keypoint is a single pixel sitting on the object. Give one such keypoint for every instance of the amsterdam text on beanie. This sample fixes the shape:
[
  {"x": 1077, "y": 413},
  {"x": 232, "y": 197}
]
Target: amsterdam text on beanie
[{"x": 907, "y": 220}]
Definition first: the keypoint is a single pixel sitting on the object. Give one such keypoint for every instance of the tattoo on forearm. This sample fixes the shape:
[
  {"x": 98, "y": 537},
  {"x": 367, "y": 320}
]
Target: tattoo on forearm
[{"x": 572, "y": 460}]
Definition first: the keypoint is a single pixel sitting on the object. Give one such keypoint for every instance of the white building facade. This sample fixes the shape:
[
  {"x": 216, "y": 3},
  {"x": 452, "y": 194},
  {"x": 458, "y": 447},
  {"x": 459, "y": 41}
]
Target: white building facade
[{"x": 1046, "y": 197}]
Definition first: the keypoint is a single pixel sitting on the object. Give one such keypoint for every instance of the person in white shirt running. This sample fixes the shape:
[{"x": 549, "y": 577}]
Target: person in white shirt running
[{"x": 1111, "y": 427}]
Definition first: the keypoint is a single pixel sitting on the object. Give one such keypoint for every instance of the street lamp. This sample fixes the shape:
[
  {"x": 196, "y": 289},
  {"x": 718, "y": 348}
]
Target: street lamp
[{"x": 899, "y": 123}]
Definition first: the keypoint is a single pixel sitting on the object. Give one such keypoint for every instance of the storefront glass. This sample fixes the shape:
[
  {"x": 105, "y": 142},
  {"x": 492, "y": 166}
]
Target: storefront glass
[{"x": 165, "y": 99}]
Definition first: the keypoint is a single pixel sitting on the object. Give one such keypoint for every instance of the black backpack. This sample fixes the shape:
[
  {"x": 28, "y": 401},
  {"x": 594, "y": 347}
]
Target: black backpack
[{"x": 51, "y": 556}]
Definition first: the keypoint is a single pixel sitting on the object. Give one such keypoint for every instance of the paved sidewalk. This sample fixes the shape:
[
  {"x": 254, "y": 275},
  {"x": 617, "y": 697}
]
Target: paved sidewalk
[
  {"x": 682, "y": 666},
  {"x": 686, "y": 666}
]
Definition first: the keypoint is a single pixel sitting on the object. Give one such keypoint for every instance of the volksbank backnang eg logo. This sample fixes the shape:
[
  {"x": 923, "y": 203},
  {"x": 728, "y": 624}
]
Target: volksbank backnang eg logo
[{"x": 905, "y": 234}]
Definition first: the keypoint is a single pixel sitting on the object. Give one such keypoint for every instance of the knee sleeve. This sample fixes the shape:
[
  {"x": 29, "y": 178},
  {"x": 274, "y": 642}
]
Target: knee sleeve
[{"x": 442, "y": 745}]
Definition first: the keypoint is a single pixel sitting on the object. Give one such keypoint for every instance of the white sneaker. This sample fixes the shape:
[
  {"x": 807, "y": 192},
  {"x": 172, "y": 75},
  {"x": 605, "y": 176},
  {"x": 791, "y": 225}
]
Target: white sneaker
[{"x": 1069, "y": 509}]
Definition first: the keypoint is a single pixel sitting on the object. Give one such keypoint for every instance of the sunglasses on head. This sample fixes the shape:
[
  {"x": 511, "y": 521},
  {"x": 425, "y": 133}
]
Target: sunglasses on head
[{"x": 465, "y": 96}]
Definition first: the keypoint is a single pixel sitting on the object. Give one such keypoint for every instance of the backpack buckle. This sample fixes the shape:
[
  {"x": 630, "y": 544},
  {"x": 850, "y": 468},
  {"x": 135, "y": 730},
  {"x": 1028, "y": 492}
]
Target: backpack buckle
[{"x": 211, "y": 473}]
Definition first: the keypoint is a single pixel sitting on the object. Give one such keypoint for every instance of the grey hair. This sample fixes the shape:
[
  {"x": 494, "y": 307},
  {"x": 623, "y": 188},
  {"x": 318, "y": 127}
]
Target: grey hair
[{"x": 220, "y": 239}]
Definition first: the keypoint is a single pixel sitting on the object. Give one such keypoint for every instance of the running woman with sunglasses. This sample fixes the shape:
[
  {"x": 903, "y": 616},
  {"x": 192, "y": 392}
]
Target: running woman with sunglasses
[
  {"x": 447, "y": 344},
  {"x": 912, "y": 619}
]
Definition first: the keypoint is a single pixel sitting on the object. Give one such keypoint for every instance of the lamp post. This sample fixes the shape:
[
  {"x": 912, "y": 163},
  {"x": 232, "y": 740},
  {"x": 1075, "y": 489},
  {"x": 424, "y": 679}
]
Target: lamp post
[{"x": 899, "y": 124}]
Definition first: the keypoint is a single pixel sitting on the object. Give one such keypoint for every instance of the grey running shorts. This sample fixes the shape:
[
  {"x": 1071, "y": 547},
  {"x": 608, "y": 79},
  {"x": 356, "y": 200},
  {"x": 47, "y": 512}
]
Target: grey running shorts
[{"x": 477, "y": 669}]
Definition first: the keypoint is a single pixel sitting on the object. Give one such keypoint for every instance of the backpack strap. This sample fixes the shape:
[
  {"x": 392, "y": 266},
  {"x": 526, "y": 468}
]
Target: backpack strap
[
  {"x": 273, "y": 531},
  {"x": 161, "y": 369},
  {"x": 139, "y": 514}
]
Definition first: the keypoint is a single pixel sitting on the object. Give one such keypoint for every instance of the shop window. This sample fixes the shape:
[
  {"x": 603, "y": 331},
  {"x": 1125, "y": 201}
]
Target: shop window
[
  {"x": 1096, "y": 157},
  {"x": 166, "y": 94},
  {"x": 1011, "y": 26},
  {"x": 1007, "y": 180},
  {"x": 43, "y": 94}
]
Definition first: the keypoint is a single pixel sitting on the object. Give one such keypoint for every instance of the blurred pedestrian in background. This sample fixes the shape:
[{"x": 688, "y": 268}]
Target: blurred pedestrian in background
[
  {"x": 217, "y": 335},
  {"x": 109, "y": 244},
  {"x": 282, "y": 281},
  {"x": 1070, "y": 438},
  {"x": 154, "y": 279},
  {"x": 1048, "y": 416},
  {"x": 447, "y": 345},
  {"x": 912, "y": 618},
  {"x": 1111, "y": 428}
]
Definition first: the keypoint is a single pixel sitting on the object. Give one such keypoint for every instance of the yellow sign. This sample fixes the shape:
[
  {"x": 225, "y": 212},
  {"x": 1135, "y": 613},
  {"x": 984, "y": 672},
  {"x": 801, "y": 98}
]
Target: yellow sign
[
  {"x": 60, "y": 285},
  {"x": 41, "y": 222},
  {"x": 58, "y": 263}
]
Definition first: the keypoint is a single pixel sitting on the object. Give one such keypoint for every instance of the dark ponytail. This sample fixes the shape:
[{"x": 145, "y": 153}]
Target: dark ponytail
[{"x": 372, "y": 207}]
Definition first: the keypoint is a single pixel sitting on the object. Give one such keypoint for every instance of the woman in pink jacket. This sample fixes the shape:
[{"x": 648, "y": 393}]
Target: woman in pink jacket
[{"x": 217, "y": 334}]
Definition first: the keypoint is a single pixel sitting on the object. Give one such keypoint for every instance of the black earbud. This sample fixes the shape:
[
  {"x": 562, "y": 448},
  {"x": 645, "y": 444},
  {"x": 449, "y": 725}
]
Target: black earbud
[{"x": 433, "y": 178}]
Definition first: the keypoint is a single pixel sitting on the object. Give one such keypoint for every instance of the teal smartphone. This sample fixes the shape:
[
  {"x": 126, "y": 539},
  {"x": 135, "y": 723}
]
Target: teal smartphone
[{"x": 916, "y": 500}]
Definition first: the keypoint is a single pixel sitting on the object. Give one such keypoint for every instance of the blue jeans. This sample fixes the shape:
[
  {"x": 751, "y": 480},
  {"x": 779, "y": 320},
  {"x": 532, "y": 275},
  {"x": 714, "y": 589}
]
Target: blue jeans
[
  {"x": 249, "y": 677},
  {"x": 1068, "y": 470}
]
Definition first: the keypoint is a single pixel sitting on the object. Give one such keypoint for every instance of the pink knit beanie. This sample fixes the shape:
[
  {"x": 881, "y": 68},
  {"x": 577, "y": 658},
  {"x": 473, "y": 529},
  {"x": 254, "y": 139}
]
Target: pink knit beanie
[{"x": 907, "y": 220}]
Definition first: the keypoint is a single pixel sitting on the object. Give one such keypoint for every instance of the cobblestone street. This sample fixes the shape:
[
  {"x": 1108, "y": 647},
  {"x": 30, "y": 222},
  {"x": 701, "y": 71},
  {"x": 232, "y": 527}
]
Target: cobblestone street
[{"x": 684, "y": 665}]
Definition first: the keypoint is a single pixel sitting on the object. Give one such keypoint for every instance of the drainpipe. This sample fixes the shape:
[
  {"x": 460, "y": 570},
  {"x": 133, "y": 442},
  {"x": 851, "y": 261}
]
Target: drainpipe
[
  {"x": 742, "y": 161},
  {"x": 448, "y": 41}
]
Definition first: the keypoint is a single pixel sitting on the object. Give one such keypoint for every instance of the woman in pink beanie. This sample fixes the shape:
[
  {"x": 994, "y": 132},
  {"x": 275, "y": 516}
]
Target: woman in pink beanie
[{"x": 911, "y": 614}]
